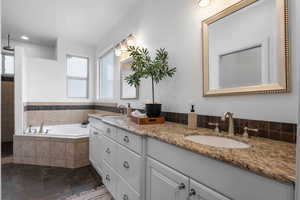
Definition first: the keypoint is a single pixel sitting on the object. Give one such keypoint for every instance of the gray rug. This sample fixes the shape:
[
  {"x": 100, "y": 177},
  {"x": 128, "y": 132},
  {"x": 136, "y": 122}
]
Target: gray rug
[{"x": 100, "y": 193}]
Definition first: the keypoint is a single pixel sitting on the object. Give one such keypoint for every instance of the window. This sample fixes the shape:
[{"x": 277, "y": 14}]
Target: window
[
  {"x": 106, "y": 64},
  {"x": 8, "y": 64},
  {"x": 77, "y": 77}
]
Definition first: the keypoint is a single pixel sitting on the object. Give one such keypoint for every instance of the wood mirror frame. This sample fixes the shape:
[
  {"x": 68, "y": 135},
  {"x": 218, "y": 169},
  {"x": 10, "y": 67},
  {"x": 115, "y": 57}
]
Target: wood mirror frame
[{"x": 283, "y": 62}]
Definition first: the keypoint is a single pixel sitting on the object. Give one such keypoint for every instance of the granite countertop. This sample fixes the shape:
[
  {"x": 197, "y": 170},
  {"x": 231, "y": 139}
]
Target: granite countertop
[{"x": 269, "y": 158}]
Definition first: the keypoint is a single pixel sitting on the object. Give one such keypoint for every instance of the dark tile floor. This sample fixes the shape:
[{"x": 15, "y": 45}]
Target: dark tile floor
[{"x": 28, "y": 182}]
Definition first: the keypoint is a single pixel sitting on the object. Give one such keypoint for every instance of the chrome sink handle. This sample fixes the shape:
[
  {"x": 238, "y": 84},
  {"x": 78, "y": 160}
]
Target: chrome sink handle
[
  {"x": 217, "y": 129},
  {"x": 246, "y": 129}
]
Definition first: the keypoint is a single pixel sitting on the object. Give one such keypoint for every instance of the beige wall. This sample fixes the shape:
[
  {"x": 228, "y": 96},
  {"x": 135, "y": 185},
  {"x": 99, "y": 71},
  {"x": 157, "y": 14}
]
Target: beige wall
[{"x": 7, "y": 114}]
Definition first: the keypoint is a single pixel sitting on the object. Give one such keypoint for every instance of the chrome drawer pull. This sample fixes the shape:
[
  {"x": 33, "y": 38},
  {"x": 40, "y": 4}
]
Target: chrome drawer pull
[
  {"x": 108, "y": 151},
  {"x": 126, "y": 139},
  {"x": 126, "y": 165},
  {"x": 181, "y": 186},
  {"x": 96, "y": 133},
  {"x": 107, "y": 178},
  {"x": 125, "y": 197},
  {"x": 192, "y": 192}
]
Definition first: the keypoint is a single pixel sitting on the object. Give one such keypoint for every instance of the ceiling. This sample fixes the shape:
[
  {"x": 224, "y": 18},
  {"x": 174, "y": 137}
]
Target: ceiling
[{"x": 83, "y": 21}]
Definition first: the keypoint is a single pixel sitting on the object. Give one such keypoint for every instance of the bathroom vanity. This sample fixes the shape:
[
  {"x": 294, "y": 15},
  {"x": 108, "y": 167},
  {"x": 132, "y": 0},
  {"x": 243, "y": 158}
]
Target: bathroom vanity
[{"x": 158, "y": 162}]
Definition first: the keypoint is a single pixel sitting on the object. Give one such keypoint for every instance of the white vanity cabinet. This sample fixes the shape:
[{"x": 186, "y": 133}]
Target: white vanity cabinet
[
  {"x": 119, "y": 158},
  {"x": 143, "y": 168},
  {"x": 165, "y": 183},
  {"x": 168, "y": 184}
]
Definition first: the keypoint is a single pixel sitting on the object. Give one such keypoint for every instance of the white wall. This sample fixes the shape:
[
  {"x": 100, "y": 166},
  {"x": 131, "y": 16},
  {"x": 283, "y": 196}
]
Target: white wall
[
  {"x": 33, "y": 50},
  {"x": 176, "y": 26},
  {"x": 46, "y": 79}
]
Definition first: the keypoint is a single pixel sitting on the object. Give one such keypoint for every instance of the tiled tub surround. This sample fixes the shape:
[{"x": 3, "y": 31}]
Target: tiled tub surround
[
  {"x": 64, "y": 113},
  {"x": 55, "y": 152},
  {"x": 269, "y": 158},
  {"x": 56, "y": 113}
]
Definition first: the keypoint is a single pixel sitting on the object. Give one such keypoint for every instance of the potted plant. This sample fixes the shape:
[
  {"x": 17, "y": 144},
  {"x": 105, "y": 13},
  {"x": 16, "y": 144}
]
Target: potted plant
[{"x": 143, "y": 66}]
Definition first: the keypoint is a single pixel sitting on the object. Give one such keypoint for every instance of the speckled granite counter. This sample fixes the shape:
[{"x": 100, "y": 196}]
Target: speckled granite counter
[{"x": 269, "y": 158}]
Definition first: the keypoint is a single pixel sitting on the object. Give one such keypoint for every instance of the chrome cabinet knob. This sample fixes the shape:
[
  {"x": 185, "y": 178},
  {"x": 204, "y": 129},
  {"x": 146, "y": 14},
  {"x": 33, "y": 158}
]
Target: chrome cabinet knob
[
  {"x": 192, "y": 192},
  {"x": 125, "y": 197},
  {"x": 181, "y": 186},
  {"x": 126, "y": 139},
  {"x": 108, "y": 151},
  {"x": 126, "y": 165},
  {"x": 107, "y": 177},
  {"x": 108, "y": 130}
]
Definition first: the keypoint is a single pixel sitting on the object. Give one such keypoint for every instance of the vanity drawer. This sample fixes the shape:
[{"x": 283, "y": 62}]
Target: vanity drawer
[
  {"x": 109, "y": 179},
  {"x": 129, "y": 166},
  {"x": 109, "y": 150},
  {"x": 130, "y": 140},
  {"x": 125, "y": 192},
  {"x": 110, "y": 131}
]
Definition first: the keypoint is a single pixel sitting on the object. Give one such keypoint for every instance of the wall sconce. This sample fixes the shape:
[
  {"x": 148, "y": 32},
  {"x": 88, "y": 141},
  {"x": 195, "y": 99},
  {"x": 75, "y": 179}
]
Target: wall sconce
[
  {"x": 203, "y": 3},
  {"x": 122, "y": 46}
]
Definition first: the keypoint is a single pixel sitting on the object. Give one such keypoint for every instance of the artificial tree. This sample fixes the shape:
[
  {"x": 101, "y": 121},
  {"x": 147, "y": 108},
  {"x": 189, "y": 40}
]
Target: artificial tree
[{"x": 143, "y": 66}]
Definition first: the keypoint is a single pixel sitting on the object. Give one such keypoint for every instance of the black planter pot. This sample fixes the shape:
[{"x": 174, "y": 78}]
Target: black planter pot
[{"x": 153, "y": 110}]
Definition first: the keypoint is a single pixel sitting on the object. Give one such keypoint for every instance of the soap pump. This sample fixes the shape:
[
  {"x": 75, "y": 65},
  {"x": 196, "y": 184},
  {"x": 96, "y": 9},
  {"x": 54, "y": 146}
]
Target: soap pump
[
  {"x": 129, "y": 110},
  {"x": 192, "y": 118}
]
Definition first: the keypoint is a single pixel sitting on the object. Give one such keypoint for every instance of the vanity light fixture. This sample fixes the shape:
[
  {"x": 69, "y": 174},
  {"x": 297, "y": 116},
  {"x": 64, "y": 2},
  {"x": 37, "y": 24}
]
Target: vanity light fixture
[
  {"x": 24, "y": 37},
  {"x": 203, "y": 3},
  {"x": 122, "y": 46},
  {"x": 131, "y": 40}
]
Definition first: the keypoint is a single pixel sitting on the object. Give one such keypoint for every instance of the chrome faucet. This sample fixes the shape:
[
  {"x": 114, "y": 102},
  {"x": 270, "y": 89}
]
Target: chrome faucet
[
  {"x": 229, "y": 115},
  {"x": 41, "y": 128},
  {"x": 122, "y": 109}
]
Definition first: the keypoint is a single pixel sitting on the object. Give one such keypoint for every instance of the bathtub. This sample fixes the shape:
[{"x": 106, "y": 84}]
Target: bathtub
[
  {"x": 62, "y": 146},
  {"x": 60, "y": 131}
]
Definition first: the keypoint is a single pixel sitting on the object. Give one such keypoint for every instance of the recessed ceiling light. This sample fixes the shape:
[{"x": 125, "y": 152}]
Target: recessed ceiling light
[
  {"x": 203, "y": 3},
  {"x": 24, "y": 37}
]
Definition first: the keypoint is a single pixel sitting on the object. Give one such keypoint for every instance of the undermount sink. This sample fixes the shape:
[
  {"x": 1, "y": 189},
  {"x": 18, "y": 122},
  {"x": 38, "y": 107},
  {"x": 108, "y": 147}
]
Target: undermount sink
[{"x": 216, "y": 141}]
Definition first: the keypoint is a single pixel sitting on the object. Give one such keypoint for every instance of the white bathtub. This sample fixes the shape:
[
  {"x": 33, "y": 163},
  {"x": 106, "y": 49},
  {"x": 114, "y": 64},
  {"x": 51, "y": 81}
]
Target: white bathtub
[{"x": 60, "y": 131}]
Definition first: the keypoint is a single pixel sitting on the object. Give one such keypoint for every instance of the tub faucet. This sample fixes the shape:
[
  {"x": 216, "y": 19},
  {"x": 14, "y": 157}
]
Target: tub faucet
[
  {"x": 41, "y": 127},
  {"x": 229, "y": 115},
  {"x": 29, "y": 128},
  {"x": 122, "y": 109}
]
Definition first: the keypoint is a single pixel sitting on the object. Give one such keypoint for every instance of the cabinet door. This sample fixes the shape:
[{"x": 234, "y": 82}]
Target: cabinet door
[
  {"x": 92, "y": 146},
  {"x": 201, "y": 192},
  {"x": 165, "y": 183}
]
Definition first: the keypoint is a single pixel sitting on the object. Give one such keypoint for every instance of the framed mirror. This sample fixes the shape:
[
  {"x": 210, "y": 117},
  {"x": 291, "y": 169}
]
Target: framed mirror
[
  {"x": 127, "y": 91},
  {"x": 246, "y": 50}
]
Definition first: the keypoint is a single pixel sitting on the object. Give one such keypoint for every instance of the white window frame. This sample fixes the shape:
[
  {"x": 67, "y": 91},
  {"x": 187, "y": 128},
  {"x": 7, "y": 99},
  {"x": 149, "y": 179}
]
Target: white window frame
[
  {"x": 3, "y": 64},
  {"x": 78, "y": 78},
  {"x": 99, "y": 76}
]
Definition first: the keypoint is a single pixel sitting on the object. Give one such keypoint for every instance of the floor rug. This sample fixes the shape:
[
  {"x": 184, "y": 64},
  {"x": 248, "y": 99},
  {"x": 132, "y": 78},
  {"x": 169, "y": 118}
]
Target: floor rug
[{"x": 100, "y": 193}]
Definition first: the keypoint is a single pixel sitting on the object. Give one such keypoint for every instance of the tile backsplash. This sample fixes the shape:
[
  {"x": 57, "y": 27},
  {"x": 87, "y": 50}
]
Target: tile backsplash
[{"x": 273, "y": 130}]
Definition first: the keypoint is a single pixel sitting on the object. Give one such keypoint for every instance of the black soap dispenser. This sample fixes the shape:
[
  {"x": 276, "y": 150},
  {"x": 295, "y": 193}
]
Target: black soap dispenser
[{"x": 192, "y": 118}]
